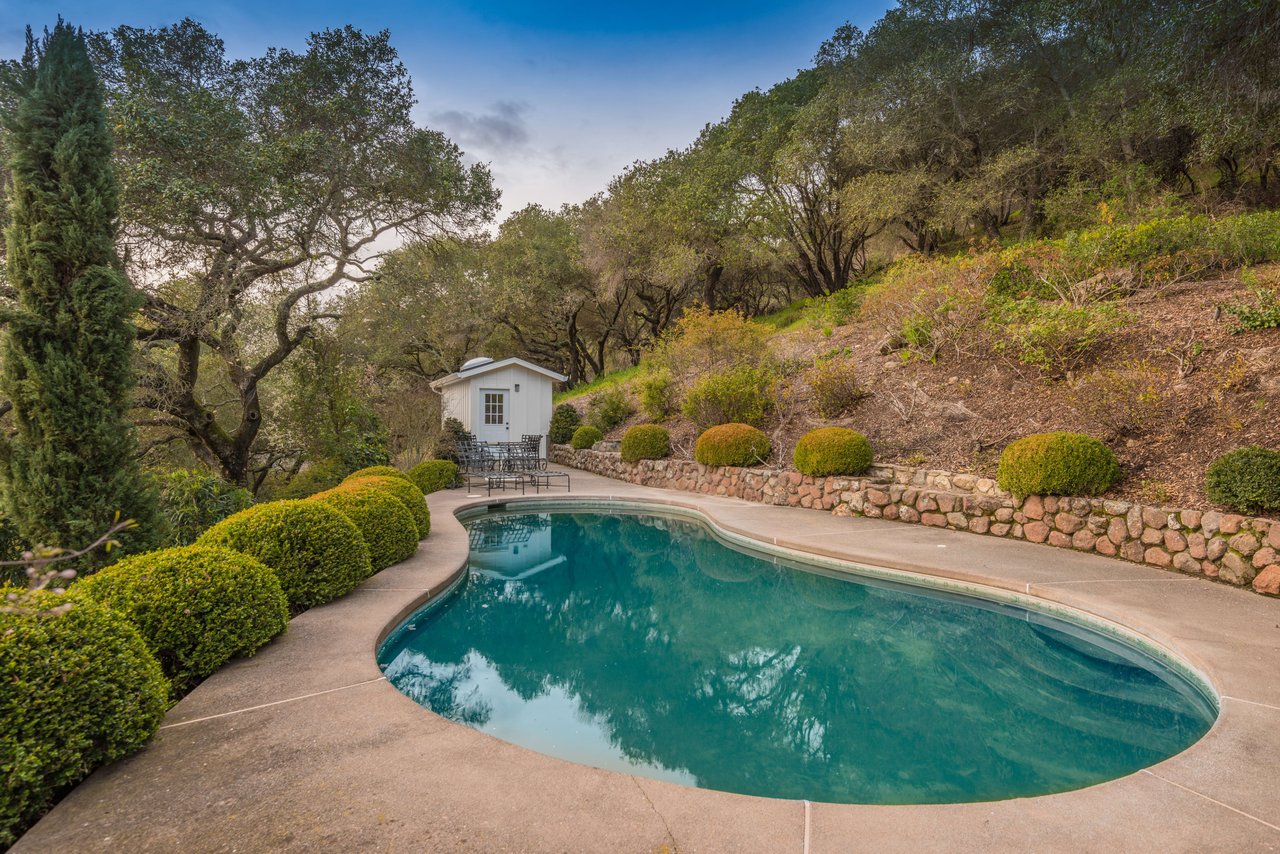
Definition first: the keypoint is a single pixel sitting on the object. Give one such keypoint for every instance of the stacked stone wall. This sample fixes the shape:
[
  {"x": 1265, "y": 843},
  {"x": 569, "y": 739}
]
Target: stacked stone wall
[{"x": 1232, "y": 548}]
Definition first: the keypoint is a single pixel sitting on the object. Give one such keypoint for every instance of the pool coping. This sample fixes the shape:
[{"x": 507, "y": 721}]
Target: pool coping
[{"x": 307, "y": 747}]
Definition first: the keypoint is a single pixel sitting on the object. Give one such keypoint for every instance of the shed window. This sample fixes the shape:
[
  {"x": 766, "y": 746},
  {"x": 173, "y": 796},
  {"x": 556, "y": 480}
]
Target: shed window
[{"x": 493, "y": 408}]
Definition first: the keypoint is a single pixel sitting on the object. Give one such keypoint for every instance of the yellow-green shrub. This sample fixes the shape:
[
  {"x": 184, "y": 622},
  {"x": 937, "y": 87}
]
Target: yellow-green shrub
[
  {"x": 645, "y": 442},
  {"x": 379, "y": 471},
  {"x": 315, "y": 551},
  {"x": 832, "y": 450},
  {"x": 740, "y": 395},
  {"x": 584, "y": 437},
  {"x": 1057, "y": 464},
  {"x": 77, "y": 690},
  {"x": 658, "y": 395},
  {"x": 1124, "y": 398},
  {"x": 930, "y": 305},
  {"x": 703, "y": 341},
  {"x": 384, "y": 522},
  {"x": 404, "y": 491},
  {"x": 434, "y": 475},
  {"x": 1055, "y": 337},
  {"x": 608, "y": 409},
  {"x": 833, "y": 382},
  {"x": 731, "y": 445},
  {"x": 197, "y": 607}
]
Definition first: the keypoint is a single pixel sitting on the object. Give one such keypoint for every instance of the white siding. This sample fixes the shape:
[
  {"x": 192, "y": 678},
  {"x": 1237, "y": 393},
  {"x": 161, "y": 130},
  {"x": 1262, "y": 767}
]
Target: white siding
[
  {"x": 453, "y": 403},
  {"x": 529, "y": 409}
]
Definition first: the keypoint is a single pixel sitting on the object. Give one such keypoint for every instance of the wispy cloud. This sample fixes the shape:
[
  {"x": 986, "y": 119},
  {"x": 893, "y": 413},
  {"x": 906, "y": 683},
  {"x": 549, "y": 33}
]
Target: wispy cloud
[{"x": 500, "y": 130}]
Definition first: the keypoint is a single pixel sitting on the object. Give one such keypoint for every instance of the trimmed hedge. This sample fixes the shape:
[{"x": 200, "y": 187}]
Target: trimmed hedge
[
  {"x": 1057, "y": 464},
  {"x": 832, "y": 450},
  {"x": 731, "y": 445},
  {"x": 379, "y": 471},
  {"x": 315, "y": 551},
  {"x": 584, "y": 437},
  {"x": 434, "y": 475},
  {"x": 1246, "y": 479},
  {"x": 80, "y": 690},
  {"x": 646, "y": 442},
  {"x": 564, "y": 421},
  {"x": 384, "y": 522},
  {"x": 197, "y": 607},
  {"x": 407, "y": 494}
]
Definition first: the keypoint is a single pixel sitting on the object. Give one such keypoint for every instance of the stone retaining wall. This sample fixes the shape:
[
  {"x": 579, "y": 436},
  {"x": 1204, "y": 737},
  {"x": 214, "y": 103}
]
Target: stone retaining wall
[{"x": 1232, "y": 548}]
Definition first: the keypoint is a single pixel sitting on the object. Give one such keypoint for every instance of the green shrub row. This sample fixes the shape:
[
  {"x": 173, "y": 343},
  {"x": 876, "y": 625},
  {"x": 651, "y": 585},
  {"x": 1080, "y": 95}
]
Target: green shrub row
[
  {"x": 1247, "y": 479},
  {"x": 90, "y": 684},
  {"x": 317, "y": 553},
  {"x": 406, "y": 493},
  {"x": 197, "y": 607}
]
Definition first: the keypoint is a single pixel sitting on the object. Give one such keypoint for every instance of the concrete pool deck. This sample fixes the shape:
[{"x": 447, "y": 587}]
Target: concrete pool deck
[{"x": 306, "y": 747}]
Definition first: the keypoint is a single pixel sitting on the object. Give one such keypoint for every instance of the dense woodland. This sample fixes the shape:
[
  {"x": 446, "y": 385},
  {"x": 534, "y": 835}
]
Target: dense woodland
[{"x": 309, "y": 258}]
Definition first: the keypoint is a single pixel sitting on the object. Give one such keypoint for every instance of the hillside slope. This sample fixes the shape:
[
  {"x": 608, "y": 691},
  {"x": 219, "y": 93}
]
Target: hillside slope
[{"x": 1170, "y": 390}]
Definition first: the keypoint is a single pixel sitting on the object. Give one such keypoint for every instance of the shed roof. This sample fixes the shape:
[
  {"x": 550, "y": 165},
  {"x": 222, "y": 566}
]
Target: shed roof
[{"x": 459, "y": 376}]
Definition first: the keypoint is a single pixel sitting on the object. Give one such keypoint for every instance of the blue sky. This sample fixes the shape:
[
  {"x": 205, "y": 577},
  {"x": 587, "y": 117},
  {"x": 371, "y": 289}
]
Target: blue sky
[{"x": 557, "y": 97}]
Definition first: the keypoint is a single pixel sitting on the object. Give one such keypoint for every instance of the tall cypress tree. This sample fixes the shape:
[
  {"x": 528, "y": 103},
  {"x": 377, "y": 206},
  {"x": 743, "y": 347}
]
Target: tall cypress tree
[{"x": 70, "y": 466}]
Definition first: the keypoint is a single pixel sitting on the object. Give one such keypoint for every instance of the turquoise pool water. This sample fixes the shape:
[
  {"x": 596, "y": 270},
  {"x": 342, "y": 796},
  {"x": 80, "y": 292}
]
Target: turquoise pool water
[{"x": 643, "y": 644}]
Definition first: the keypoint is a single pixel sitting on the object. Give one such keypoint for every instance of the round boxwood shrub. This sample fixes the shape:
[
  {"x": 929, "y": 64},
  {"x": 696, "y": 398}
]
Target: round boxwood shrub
[
  {"x": 384, "y": 522},
  {"x": 80, "y": 689},
  {"x": 646, "y": 442},
  {"x": 378, "y": 471},
  {"x": 197, "y": 607},
  {"x": 564, "y": 421},
  {"x": 1246, "y": 479},
  {"x": 434, "y": 475},
  {"x": 315, "y": 551},
  {"x": 407, "y": 494},
  {"x": 832, "y": 450},
  {"x": 1057, "y": 464},
  {"x": 584, "y": 437},
  {"x": 731, "y": 445}
]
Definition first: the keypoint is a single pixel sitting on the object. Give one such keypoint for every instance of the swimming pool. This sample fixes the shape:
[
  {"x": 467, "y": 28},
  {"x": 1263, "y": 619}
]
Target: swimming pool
[{"x": 644, "y": 644}]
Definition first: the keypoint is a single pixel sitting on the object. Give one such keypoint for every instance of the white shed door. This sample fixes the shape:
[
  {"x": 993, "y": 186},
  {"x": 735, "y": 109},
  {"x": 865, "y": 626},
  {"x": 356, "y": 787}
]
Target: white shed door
[{"x": 495, "y": 417}]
